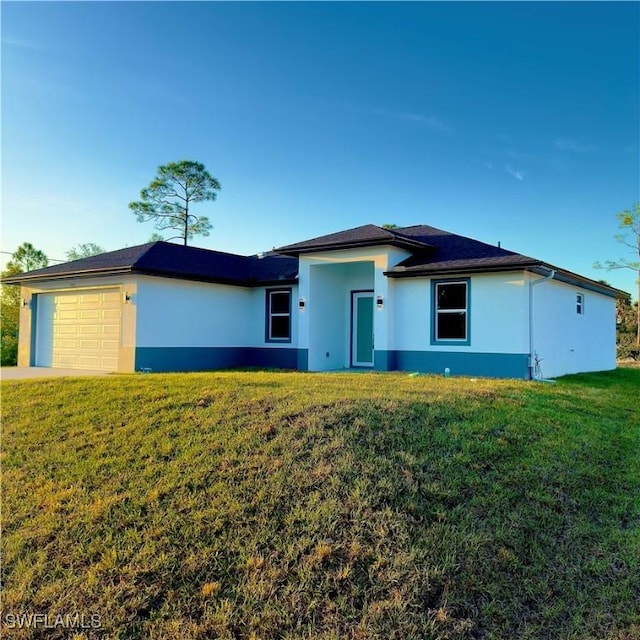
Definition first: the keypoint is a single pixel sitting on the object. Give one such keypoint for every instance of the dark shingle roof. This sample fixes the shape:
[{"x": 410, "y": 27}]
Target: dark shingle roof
[
  {"x": 272, "y": 268},
  {"x": 119, "y": 260},
  {"x": 452, "y": 252},
  {"x": 178, "y": 261},
  {"x": 433, "y": 250},
  {"x": 174, "y": 261},
  {"x": 367, "y": 235},
  {"x": 457, "y": 254}
]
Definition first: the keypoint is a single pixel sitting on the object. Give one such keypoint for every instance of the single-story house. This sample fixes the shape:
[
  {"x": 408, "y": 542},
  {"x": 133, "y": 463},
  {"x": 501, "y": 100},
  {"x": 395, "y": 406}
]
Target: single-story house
[{"x": 413, "y": 299}]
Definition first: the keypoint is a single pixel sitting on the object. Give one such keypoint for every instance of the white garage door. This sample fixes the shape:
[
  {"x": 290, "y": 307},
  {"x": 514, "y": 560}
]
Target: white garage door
[{"x": 79, "y": 329}]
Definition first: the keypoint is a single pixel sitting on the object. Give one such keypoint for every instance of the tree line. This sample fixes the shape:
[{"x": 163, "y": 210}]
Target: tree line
[{"x": 628, "y": 315}]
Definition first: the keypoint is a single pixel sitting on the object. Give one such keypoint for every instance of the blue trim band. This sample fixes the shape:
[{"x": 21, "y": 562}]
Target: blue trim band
[
  {"x": 303, "y": 360},
  {"x": 384, "y": 360},
  {"x": 490, "y": 365},
  {"x": 209, "y": 358}
]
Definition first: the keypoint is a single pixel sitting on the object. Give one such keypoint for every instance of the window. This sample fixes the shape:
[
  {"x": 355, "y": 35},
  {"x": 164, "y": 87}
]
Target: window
[
  {"x": 451, "y": 312},
  {"x": 278, "y": 315},
  {"x": 579, "y": 304}
]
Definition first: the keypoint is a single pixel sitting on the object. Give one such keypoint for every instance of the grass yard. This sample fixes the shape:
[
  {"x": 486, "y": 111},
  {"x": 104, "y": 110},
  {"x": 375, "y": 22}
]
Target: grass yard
[{"x": 256, "y": 505}]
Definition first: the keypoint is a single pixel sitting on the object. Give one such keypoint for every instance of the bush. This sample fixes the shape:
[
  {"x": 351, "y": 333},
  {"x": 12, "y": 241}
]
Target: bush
[
  {"x": 9, "y": 350},
  {"x": 627, "y": 347}
]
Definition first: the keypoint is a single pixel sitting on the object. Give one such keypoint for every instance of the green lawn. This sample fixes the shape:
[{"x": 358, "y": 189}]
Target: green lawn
[{"x": 262, "y": 505}]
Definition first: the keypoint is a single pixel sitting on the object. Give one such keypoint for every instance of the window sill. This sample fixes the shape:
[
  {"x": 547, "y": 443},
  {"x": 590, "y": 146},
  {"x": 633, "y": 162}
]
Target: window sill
[{"x": 450, "y": 343}]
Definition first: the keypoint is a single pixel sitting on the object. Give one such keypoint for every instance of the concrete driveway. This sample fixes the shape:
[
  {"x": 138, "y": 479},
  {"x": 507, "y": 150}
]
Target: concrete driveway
[{"x": 22, "y": 373}]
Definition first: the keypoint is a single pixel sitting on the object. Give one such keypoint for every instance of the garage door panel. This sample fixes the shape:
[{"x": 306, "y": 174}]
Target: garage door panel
[
  {"x": 67, "y": 314},
  {"x": 90, "y": 329},
  {"x": 63, "y": 345},
  {"x": 67, "y": 329},
  {"x": 110, "y": 329},
  {"x": 79, "y": 329},
  {"x": 93, "y": 345}
]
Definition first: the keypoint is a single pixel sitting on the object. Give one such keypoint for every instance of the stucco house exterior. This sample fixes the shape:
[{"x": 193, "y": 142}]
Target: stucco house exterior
[{"x": 414, "y": 299}]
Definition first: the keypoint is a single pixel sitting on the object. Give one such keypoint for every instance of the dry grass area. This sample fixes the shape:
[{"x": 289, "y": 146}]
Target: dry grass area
[{"x": 269, "y": 505}]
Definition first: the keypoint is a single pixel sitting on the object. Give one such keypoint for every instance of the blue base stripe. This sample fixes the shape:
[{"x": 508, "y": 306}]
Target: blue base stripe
[
  {"x": 384, "y": 360},
  {"x": 491, "y": 365},
  {"x": 208, "y": 358},
  {"x": 303, "y": 359}
]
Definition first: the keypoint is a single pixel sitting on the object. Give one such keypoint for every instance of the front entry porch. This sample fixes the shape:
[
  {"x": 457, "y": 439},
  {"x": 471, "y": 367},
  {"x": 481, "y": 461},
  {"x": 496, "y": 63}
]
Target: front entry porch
[{"x": 341, "y": 316}]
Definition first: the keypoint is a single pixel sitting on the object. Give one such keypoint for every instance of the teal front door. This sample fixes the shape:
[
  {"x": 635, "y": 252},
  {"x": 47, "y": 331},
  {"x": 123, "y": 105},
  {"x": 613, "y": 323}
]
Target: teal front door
[{"x": 362, "y": 329}]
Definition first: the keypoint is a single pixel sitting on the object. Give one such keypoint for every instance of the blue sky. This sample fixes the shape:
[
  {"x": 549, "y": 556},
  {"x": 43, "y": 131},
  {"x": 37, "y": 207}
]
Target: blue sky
[{"x": 504, "y": 121}]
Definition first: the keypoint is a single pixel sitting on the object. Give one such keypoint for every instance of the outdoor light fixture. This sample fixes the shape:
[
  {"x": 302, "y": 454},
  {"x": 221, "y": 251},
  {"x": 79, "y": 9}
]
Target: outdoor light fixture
[
  {"x": 25, "y": 303},
  {"x": 125, "y": 297},
  {"x": 301, "y": 304},
  {"x": 379, "y": 302}
]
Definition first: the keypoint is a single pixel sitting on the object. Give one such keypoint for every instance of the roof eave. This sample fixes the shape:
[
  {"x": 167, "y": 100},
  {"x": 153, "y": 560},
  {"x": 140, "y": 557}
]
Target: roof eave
[
  {"x": 28, "y": 276},
  {"x": 408, "y": 244},
  {"x": 410, "y": 272},
  {"x": 575, "y": 279},
  {"x": 237, "y": 282},
  {"x": 540, "y": 268},
  {"x": 157, "y": 273}
]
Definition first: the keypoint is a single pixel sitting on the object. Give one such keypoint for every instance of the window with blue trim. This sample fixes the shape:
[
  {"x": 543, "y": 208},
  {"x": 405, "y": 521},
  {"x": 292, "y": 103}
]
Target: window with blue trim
[
  {"x": 278, "y": 315},
  {"x": 451, "y": 311}
]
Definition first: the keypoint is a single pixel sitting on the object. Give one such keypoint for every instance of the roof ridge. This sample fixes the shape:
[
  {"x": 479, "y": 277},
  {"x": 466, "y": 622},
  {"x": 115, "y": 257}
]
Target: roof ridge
[
  {"x": 151, "y": 244},
  {"x": 190, "y": 247},
  {"x": 428, "y": 226},
  {"x": 397, "y": 232},
  {"x": 363, "y": 235},
  {"x": 468, "y": 238}
]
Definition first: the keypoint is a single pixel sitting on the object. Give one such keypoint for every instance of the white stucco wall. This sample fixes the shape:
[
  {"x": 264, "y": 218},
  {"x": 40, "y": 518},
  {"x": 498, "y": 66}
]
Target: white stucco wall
[
  {"x": 568, "y": 342},
  {"x": 327, "y": 319},
  {"x": 179, "y": 313},
  {"x": 498, "y": 314}
]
